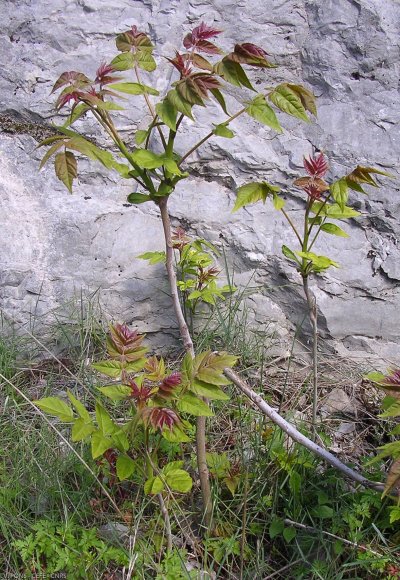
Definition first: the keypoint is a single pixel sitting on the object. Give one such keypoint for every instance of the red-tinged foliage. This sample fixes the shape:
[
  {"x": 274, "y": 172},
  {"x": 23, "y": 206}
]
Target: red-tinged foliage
[
  {"x": 168, "y": 385},
  {"x": 250, "y": 54},
  {"x": 182, "y": 64},
  {"x": 180, "y": 239},
  {"x": 103, "y": 74},
  {"x": 141, "y": 394},
  {"x": 77, "y": 79},
  {"x": 159, "y": 418},
  {"x": 393, "y": 378},
  {"x": 66, "y": 98},
  {"x": 124, "y": 338},
  {"x": 313, "y": 186},
  {"x": 198, "y": 39},
  {"x": 316, "y": 165}
]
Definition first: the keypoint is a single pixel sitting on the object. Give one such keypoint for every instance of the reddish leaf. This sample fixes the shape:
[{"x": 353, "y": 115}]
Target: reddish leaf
[
  {"x": 200, "y": 33},
  {"x": 160, "y": 418},
  {"x": 103, "y": 74},
  {"x": 250, "y": 54},
  {"x": 316, "y": 165},
  {"x": 79, "y": 80},
  {"x": 168, "y": 385}
]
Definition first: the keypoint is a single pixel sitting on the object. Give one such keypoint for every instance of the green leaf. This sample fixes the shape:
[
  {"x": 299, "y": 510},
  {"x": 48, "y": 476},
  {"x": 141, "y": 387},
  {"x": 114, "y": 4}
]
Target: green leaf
[
  {"x": 153, "y": 257},
  {"x": 141, "y": 136},
  {"x": 179, "y": 480},
  {"x": 145, "y": 60},
  {"x": 324, "y": 512},
  {"x": 222, "y": 130},
  {"x": 133, "y": 89},
  {"x": 334, "y": 230},
  {"x": 253, "y": 192},
  {"x": 167, "y": 113},
  {"x": 233, "y": 73},
  {"x": 307, "y": 97},
  {"x": 111, "y": 368},
  {"x": 91, "y": 150},
  {"x": 289, "y": 534},
  {"x": 120, "y": 439},
  {"x": 219, "y": 97},
  {"x": 175, "y": 435},
  {"x": 276, "y": 528},
  {"x": 138, "y": 198},
  {"x": 124, "y": 61},
  {"x": 116, "y": 392},
  {"x": 376, "y": 377},
  {"x": 208, "y": 391},
  {"x": 319, "y": 262},
  {"x": 171, "y": 165},
  {"x": 277, "y": 201},
  {"x": 147, "y": 159},
  {"x": 81, "y": 429},
  {"x": 171, "y": 466},
  {"x": 49, "y": 140},
  {"x": 340, "y": 192},
  {"x": 99, "y": 444},
  {"x": 125, "y": 467},
  {"x": 77, "y": 113},
  {"x": 288, "y": 253},
  {"x": 218, "y": 464},
  {"x": 136, "y": 365},
  {"x": 79, "y": 408},
  {"x": 66, "y": 168},
  {"x": 104, "y": 421},
  {"x": 263, "y": 113},
  {"x": 153, "y": 486},
  {"x": 51, "y": 151},
  {"x": 192, "y": 405},
  {"x": 288, "y": 101},
  {"x": 334, "y": 211},
  {"x": 56, "y": 407},
  {"x": 179, "y": 104}
]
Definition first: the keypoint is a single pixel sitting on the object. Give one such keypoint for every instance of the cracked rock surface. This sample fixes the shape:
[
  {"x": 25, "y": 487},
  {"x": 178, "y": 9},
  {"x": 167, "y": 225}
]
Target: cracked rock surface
[{"x": 54, "y": 244}]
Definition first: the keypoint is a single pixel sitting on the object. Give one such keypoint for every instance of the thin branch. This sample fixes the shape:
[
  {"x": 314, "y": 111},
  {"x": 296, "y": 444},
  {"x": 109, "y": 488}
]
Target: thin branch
[
  {"x": 299, "y": 437},
  {"x": 167, "y": 521},
  {"x": 292, "y": 225},
  {"x": 188, "y": 345},
  {"x": 151, "y": 108},
  {"x": 330, "y": 535},
  {"x": 210, "y": 134},
  {"x": 312, "y": 309}
]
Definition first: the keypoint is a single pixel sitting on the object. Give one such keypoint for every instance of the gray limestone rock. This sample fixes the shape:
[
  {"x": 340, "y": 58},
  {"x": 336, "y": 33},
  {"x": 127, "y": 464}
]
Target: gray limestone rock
[{"x": 54, "y": 244}]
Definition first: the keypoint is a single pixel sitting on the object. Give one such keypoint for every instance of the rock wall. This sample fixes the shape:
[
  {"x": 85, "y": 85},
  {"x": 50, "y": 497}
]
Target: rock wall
[{"x": 54, "y": 244}]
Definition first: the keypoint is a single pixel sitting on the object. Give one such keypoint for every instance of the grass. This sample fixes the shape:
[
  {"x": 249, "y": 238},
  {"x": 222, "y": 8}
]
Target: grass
[{"x": 289, "y": 516}]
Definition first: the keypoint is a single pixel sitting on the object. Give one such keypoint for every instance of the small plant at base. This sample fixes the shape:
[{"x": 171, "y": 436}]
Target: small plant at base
[
  {"x": 158, "y": 174},
  {"x": 55, "y": 547},
  {"x": 197, "y": 273},
  {"x": 324, "y": 203},
  {"x": 156, "y": 400}
]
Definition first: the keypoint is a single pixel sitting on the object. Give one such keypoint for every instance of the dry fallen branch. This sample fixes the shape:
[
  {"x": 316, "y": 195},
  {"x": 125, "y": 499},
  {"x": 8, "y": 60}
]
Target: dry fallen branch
[{"x": 299, "y": 437}]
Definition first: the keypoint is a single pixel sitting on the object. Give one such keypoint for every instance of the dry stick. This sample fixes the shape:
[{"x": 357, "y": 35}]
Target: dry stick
[
  {"x": 299, "y": 437},
  {"x": 188, "y": 345},
  {"x": 312, "y": 307},
  {"x": 347, "y": 542},
  {"x": 167, "y": 521},
  {"x": 67, "y": 443}
]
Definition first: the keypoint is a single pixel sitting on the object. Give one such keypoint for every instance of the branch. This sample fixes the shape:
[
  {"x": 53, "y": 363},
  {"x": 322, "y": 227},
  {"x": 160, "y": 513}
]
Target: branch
[
  {"x": 210, "y": 134},
  {"x": 188, "y": 345},
  {"x": 299, "y": 437}
]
